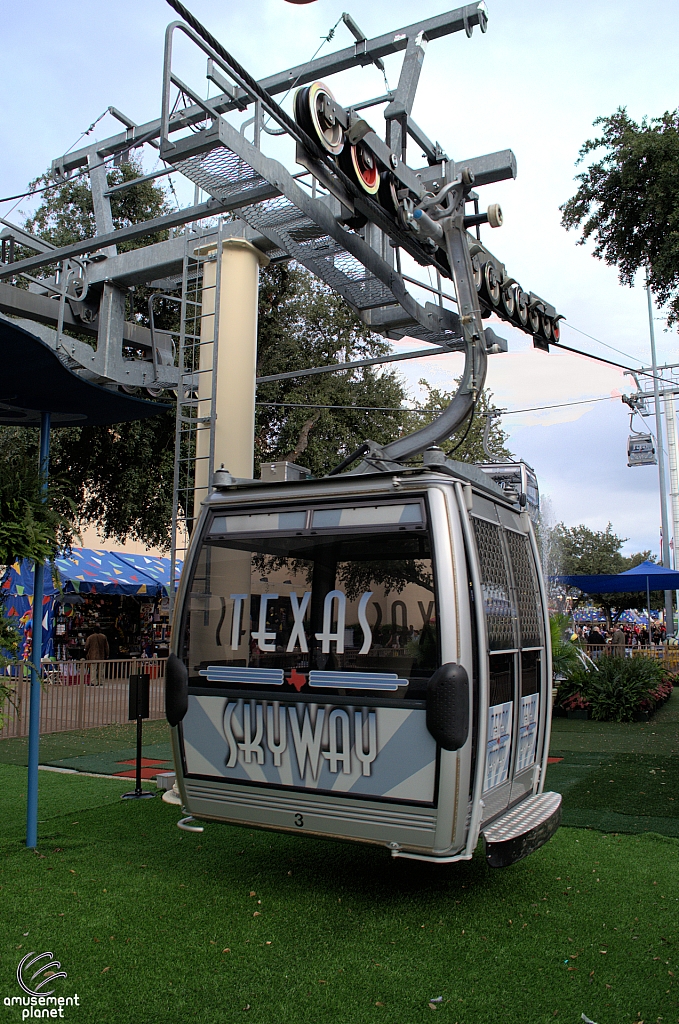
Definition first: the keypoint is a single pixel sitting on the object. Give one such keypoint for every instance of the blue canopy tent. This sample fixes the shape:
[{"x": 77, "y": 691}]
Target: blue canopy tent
[
  {"x": 37, "y": 389},
  {"x": 648, "y": 576},
  {"x": 83, "y": 571}
]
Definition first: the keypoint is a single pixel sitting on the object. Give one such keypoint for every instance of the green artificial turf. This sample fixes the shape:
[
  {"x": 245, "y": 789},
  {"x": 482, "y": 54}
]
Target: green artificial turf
[
  {"x": 618, "y": 792},
  {"x": 660, "y": 735},
  {"x": 57, "y": 746},
  {"x": 157, "y": 925},
  {"x": 57, "y": 795}
]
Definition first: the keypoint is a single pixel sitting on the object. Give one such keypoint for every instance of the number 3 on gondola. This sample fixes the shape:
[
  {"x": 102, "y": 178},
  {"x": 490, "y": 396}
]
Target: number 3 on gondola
[{"x": 365, "y": 658}]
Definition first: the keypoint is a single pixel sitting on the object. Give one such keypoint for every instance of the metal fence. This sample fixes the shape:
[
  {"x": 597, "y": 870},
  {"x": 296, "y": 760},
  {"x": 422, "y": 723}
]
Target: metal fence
[
  {"x": 81, "y": 694},
  {"x": 668, "y": 655}
]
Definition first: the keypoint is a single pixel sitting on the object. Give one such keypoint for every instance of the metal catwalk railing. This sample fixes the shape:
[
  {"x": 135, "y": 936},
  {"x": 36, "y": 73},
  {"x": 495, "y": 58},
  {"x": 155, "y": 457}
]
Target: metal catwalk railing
[{"x": 82, "y": 695}]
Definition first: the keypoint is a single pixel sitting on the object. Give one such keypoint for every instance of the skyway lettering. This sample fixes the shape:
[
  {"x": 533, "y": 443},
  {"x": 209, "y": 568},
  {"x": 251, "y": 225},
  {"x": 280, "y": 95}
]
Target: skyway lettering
[{"x": 315, "y": 734}]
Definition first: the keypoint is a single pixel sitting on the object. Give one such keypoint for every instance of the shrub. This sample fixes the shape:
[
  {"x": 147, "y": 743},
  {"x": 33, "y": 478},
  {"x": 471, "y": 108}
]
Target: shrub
[
  {"x": 615, "y": 689},
  {"x": 564, "y": 651}
]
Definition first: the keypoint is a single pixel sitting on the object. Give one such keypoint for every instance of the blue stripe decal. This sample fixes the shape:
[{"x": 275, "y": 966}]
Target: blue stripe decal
[
  {"x": 357, "y": 680},
  {"x": 233, "y": 674}
]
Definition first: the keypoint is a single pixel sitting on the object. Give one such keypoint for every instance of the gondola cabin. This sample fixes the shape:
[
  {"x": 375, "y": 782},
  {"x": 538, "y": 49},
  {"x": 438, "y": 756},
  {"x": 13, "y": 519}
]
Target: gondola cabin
[
  {"x": 641, "y": 450},
  {"x": 366, "y": 657}
]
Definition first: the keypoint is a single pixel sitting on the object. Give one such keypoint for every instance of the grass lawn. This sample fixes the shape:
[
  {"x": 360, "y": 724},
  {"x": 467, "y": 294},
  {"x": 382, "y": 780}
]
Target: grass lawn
[
  {"x": 58, "y": 746},
  {"x": 157, "y": 925},
  {"x": 152, "y": 924}
]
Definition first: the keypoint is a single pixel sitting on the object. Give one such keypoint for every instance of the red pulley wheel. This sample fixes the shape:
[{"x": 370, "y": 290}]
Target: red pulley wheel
[{"x": 359, "y": 164}]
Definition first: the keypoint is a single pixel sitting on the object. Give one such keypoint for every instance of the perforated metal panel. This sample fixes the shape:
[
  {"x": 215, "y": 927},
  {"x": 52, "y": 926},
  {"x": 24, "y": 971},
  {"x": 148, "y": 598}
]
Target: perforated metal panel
[
  {"x": 221, "y": 173},
  {"x": 301, "y": 238},
  {"x": 497, "y": 594},
  {"x": 527, "y": 592}
]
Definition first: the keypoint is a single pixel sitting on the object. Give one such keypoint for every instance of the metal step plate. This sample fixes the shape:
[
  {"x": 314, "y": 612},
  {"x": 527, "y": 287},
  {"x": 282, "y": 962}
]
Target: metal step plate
[{"x": 522, "y": 830}]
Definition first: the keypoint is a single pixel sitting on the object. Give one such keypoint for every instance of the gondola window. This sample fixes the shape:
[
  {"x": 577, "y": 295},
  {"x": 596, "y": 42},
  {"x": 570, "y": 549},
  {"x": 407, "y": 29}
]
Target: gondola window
[{"x": 315, "y": 600}]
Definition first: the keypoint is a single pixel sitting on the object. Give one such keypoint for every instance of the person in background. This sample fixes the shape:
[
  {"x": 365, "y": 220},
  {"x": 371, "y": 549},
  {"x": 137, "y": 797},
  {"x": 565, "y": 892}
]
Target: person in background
[
  {"x": 618, "y": 642},
  {"x": 595, "y": 638},
  {"x": 147, "y": 649},
  {"x": 96, "y": 649}
]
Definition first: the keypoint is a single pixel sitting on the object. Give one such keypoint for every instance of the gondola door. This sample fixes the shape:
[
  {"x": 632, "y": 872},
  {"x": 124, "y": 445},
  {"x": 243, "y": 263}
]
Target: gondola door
[{"x": 514, "y": 648}]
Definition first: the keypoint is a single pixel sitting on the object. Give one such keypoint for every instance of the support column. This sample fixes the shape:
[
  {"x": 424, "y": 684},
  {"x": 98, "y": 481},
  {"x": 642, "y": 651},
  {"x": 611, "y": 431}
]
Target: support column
[
  {"x": 673, "y": 455},
  {"x": 230, "y": 388},
  {"x": 664, "y": 519}
]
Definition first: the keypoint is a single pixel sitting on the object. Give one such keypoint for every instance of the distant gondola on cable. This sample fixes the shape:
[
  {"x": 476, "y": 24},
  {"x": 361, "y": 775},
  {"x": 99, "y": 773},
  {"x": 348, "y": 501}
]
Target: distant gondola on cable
[{"x": 641, "y": 450}]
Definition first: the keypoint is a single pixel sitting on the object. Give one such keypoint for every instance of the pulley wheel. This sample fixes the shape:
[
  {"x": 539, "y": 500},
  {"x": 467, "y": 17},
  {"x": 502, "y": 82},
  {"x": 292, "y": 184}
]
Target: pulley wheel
[
  {"x": 386, "y": 195},
  {"x": 495, "y": 215},
  {"x": 492, "y": 283},
  {"x": 534, "y": 320},
  {"x": 359, "y": 164},
  {"x": 509, "y": 300},
  {"x": 521, "y": 306},
  {"x": 313, "y": 113}
]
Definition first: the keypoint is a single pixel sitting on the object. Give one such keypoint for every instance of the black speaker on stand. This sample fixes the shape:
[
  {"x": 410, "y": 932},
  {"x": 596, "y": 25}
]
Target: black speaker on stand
[{"x": 139, "y": 710}]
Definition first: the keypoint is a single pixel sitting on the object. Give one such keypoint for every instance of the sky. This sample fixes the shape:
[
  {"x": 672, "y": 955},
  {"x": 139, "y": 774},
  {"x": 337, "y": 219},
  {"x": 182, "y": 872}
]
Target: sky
[{"x": 534, "y": 83}]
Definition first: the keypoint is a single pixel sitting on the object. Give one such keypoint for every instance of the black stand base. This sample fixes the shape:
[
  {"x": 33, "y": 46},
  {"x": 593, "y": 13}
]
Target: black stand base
[{"x": 138, "y": 793}]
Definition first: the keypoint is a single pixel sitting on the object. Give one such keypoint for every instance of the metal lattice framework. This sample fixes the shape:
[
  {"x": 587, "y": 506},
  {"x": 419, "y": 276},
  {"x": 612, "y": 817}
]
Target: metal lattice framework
[{"x": 354, "y": 213}]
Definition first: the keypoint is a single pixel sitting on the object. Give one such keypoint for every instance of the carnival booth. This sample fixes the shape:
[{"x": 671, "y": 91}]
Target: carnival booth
[{"x": 124, "y": 596}]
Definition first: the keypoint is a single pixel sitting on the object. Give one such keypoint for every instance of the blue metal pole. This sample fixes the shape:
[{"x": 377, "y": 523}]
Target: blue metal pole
[{"x": 36, "y": 655}]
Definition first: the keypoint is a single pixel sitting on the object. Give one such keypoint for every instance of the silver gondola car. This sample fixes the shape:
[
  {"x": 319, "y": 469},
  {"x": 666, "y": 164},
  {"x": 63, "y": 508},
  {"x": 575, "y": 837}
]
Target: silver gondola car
[{"x": 367, "y": 658}]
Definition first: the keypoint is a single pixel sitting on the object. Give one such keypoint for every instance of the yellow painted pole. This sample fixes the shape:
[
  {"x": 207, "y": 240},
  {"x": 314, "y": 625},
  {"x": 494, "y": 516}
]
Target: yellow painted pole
[{"x": 236, "y": 359}]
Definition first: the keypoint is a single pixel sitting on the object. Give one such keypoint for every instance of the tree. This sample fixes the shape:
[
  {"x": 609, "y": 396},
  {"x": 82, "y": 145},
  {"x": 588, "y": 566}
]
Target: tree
[
  {"x": 66, "y": 214},
  {"x": 303, "y": 323},
  {"x": 118, "y": 478},
  {"x": 32, "y": 526},
  {"x": 585, "y": 552},
  {"x": 466, "y": 443},
  {"x": 628, "y": 201}
]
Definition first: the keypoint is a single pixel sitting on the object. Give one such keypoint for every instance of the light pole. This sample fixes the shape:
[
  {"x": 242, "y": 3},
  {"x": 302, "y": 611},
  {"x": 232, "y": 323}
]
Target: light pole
[
  {"x": 671, "y": 424},
  {"x": 665, "y": 551}
]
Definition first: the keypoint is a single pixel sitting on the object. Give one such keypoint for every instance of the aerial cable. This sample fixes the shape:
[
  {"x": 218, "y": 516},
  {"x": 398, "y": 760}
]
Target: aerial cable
[
  {"x": 565, "y": 323},
  {"x": 88, "y": 130},
  {"x": 421, "y": 412},
  {"x": 324, "y": 40},
  {"x": 609, "y": 362}
]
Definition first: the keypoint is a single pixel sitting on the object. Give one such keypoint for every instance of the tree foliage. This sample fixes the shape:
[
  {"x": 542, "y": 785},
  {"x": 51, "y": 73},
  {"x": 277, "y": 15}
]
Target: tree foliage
[
  {"x": 117, "y": 478},
  {"x": 627, "y": 202},
  {"x": 466, "y": 443},
  {"x": 30, "y": 527},
  {"x": 66, "y": 214},
  {"x": 303, "y": 323}
]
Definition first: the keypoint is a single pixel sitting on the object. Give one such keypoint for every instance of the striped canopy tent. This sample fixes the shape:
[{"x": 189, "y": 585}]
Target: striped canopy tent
[{"x": 83, "y": 571}]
